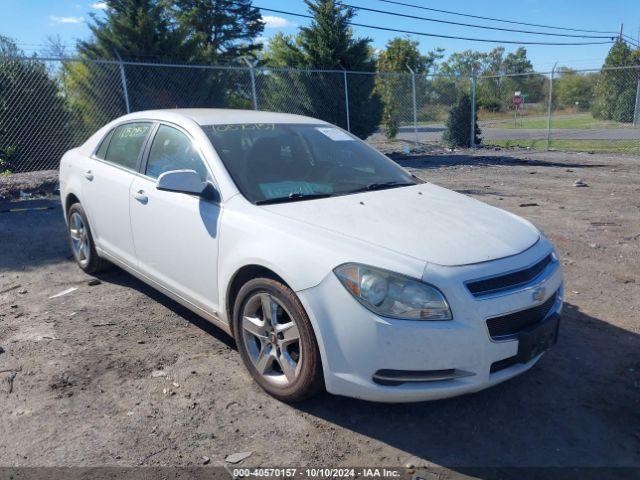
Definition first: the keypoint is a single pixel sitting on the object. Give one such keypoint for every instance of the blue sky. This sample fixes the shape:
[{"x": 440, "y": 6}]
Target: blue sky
[{"x": 30, "y": 22}]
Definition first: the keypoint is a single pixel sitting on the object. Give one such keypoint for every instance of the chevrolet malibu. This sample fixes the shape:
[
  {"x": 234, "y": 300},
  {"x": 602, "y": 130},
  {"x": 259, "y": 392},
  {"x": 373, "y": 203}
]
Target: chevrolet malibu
[{"x": 332, "y": 267}]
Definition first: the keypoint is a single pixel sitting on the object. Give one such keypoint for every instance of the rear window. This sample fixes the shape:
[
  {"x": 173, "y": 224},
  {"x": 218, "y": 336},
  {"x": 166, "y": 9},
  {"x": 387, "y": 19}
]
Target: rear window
[
  {"x": 126, "y": 142},
  {"x": 102, "y": 150}
]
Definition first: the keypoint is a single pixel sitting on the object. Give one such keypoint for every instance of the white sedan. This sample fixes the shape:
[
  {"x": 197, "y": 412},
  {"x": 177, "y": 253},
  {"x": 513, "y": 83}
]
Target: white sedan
[{"x": 330, "y": 265}]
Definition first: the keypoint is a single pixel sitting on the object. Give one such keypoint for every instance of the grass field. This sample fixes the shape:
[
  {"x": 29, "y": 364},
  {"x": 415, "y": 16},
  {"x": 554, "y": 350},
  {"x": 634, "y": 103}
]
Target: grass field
[
  {"x": 576, "y": 120},
  {"x": 595, "y": 146}
]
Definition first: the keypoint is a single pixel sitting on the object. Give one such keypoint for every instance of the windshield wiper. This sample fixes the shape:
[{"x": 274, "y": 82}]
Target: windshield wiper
[
  {"x": 293, "y": 197},
  {"x": 381, "y": 186}
]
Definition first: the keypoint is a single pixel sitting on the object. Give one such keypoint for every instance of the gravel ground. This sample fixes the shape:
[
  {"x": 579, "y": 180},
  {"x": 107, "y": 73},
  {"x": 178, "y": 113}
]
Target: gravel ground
[
  {"x": 28, "y": 185},
  {"x": 114, "y": 373}
]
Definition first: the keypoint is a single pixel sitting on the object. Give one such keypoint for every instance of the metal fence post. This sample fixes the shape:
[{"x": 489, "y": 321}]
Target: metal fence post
[
  {"x": 346, "y": 99},
  {"x": 123, "y": 79},
  {"x": 636, "y": 110},
  {"x": 549, "y": 108},
  {"x": 252, "y": 73},
  {"x": 472, "y": 141},
  {"x": 415, "y": 106}
]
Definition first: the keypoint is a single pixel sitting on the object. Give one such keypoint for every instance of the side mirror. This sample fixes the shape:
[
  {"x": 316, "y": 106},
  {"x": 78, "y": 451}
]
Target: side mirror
[{"x": 183, "y": 181}]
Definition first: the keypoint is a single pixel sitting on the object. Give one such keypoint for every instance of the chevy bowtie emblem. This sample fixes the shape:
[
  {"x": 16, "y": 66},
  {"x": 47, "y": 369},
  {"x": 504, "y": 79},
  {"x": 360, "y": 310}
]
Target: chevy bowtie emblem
[{"x": 539, "y": 293}]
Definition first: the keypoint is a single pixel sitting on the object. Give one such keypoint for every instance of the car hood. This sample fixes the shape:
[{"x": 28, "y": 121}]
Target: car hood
[{"x": 425, "y": 221}]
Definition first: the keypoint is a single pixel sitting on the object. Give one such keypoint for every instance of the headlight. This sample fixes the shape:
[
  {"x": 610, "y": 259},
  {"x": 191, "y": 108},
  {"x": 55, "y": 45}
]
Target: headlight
[{"x": 393, "y": 295}]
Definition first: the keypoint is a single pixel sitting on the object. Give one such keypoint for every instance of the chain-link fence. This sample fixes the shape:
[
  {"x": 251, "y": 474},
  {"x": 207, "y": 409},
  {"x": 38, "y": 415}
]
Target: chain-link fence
[
  {"x": 573, "y": 110},
  {"x": 48, "y": 105}
]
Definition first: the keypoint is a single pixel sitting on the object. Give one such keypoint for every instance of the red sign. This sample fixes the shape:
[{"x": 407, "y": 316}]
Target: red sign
[{"x": 517, "y": 100}]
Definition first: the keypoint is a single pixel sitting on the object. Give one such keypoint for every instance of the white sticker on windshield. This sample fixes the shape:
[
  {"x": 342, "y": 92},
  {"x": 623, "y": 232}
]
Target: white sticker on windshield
[{"x": 334, "y": 134}]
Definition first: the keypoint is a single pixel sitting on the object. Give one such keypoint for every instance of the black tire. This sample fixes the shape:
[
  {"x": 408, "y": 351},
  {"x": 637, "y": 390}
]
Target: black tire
[
  {"x": 309, "y": 380},
  {"x": 92, "y": 263}
]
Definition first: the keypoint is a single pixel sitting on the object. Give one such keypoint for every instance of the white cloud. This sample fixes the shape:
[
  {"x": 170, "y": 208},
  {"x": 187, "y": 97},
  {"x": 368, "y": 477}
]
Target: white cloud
[
  {"x": 100, "y": 5},
  {"x": 66, "y": 19},
  {"x": 271, "y": 21}
]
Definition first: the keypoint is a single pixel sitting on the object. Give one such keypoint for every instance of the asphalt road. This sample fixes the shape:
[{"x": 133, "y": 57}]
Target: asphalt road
[{"x": 433, "y": 133}]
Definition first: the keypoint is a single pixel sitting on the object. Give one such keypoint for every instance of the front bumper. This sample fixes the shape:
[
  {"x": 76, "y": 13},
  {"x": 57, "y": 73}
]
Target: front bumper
[{"x": 356, "y": 345}]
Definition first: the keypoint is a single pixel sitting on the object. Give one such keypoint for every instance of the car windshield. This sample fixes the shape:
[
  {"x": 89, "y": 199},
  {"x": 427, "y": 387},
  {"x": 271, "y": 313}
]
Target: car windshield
[{"x": 272, "y": 163}]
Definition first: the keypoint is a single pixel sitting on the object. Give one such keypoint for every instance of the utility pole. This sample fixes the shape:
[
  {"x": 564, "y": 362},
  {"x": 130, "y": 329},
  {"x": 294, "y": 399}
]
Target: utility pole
[
  {"x": 620, "y": 35},
  {"x": 550, "y": 108}
]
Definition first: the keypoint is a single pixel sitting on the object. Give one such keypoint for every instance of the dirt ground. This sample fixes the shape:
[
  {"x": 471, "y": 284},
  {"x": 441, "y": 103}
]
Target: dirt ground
[{"x": 114, "y": 373}]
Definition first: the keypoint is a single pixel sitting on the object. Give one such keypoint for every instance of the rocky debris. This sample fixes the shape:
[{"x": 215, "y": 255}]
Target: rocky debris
[
  {"x": 528, "y": 205},
  {"x": 28, "y": 184},
  {"x": 94, "y": 282},
  {"x": 64, "y": 292},
  {"x": 14, "y": 287},
  {"x": 579, "y": 183},
  {"x": 237, "y": 457}
]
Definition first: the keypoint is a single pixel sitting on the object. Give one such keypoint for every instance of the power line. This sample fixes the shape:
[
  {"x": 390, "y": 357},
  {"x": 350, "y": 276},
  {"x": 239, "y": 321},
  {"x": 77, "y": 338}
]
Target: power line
[
  {"x": 494, "y": 19},
  {"x": 630, "y": 40},
  {"x": 486, "y": 27},
  {"x": 410, "y": 32}
]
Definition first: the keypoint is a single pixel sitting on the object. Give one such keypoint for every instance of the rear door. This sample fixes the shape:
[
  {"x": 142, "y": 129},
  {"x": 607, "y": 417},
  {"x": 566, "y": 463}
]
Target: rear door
[
  {"x": 106, "y": 189},
  {"x": 176, "y": 234}
]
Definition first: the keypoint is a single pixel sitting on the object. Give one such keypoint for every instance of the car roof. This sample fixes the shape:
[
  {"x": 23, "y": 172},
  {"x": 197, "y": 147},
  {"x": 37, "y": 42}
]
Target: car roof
[{"x": 217, "y": 116}]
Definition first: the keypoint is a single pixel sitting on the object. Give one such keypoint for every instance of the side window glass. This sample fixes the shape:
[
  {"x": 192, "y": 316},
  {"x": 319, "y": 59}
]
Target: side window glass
[
  {"x": 102, "y": 150},
  {"x": 126, "y": 142},
  {"x": 173, "y": 150}
]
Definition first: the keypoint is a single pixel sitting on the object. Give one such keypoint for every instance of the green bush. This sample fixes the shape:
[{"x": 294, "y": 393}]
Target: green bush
[
  {"x": 458, "y": 132},
  {"x": 625, "y": 106},
  {"x": 491, "y": 104},
  {"x": 391, "y": 124}
]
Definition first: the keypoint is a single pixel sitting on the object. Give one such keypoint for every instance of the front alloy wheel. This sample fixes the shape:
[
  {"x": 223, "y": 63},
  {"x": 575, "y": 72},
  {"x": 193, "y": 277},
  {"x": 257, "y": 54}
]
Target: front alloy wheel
[
  {"x": 276, "y": 341},
  {"x": 272, "y": 339}
]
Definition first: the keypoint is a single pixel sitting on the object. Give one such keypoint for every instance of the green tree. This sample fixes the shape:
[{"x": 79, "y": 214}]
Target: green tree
[
  {"x": 219, "y": 31},
  {"x": 574, "y": 90},
  {"x": 33, "y": 113},
  {"x": 612, "y": 83},
  {"x": 458, "y": 127},
  {"x": 140, "y": 30},
  {"x": 327, "y": 43},
  {"x": 394, "y": 85},
  {"x": 495, "y": 93},
  {"x": 625, "y": 106},
  {"x": 464, "y": 64}
]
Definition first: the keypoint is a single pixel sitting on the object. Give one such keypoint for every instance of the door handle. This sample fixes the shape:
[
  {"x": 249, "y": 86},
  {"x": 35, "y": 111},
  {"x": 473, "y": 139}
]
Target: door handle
[
  {"x": 88, "y": 175},
  {"x": 141, "y": 197}
]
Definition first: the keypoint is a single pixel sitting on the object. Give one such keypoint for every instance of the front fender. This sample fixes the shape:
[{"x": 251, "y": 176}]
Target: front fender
[{"x": 301, "y": 254}]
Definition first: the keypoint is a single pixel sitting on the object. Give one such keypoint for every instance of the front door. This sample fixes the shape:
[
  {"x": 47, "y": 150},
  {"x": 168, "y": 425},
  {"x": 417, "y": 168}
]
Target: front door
[{"x": 176, "y": 234}]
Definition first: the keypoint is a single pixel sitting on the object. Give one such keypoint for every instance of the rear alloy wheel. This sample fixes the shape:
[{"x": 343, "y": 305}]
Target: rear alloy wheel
[
  {"x": 81, "y": 241},
  {"x": 276, "y": 340}
]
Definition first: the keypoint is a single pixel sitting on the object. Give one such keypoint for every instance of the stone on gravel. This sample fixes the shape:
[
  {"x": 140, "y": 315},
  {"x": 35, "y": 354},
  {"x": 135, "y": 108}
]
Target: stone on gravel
[
  {"x": 237, "y": 457},
  {"x": 64, "y": 292},
  {"x": 579, "y": 183},
  {"x": 158, "y": 373}
]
